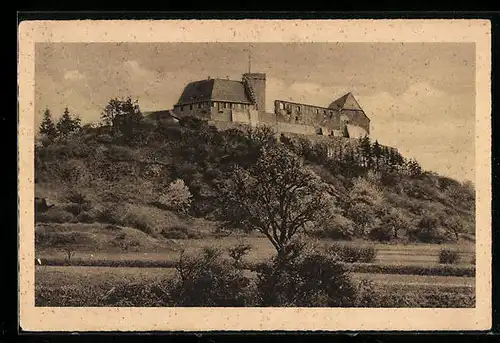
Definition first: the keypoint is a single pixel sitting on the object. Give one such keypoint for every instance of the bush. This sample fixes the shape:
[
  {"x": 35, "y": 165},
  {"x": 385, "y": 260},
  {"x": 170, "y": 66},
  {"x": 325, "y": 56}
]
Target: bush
[
  {"x": 74, "y": 209},
  {"x": 339, "y": 228},
  {"x": 139, "y": 221},
  {"x": 90, "y": 216},
  {"x": 238, "y": 252},
  {"x": 309, "y": 280},
  {"x": 74, "y": 196},
  {"x": 177, "y": 197},
  {"x": 381, "y": 233},
  {"x": 109, "y": 215},
  {"x": 55, "y": 215},
  {"x": 447, "y": 256},
  {"x": 209, "y": 280},
  {"x": 429, "y": 235},
  {"x": 178, "y": 232},
  {"x": 353, "y": 254}
]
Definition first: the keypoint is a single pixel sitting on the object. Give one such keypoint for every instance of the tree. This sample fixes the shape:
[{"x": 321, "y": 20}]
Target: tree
[
  {"x": 365, "y": 151},
  {"x": 377, "y": 153},
  {"x": 395, "y": 221},
  {"x": 364, "y": 202},
  {"x": 177, "y": 197},
  {"x": 67, "y": 124},
  {"x": 124, "y": 115},
  {"x": 47, "y": 127},
  {"x": 455, "y": 226},
  {"x": 276, "y": 196}
]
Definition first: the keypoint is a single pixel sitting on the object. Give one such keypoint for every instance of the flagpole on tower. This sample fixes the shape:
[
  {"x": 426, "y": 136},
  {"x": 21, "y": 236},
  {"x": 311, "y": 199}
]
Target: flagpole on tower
[{"x": 249, "y": 61}]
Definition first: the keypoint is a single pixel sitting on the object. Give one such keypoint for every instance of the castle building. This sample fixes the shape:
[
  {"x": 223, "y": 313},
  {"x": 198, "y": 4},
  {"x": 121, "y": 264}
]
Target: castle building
[{"x": 224, "y": 102}]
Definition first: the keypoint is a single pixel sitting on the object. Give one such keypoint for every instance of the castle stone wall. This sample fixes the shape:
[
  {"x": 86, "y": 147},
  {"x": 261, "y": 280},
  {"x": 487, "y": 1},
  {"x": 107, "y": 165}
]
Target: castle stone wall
[{"x": 303, "y": 114}]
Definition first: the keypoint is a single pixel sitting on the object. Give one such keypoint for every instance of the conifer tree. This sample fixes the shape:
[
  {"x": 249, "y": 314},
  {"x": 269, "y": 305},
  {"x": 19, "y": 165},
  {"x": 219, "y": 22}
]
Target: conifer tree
[
  {"x": 67, "y": 124},
  {"x": 47, "y": 126},
  {"x": 376, "y": 152}
]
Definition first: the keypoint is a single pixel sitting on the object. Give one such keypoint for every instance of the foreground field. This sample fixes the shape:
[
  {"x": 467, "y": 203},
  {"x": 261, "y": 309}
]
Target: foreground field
[
  {"x": 402, "y": 275},
  {"x": 92, "y": 286}
]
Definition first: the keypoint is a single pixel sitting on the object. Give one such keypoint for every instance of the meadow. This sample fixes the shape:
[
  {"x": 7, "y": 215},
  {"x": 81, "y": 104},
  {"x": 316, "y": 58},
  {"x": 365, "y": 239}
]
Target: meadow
[{"x": 400, "y": 273}]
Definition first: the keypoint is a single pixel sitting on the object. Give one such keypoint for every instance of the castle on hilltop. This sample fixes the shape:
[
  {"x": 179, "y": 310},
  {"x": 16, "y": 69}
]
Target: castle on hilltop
[{"x": 225, "y": 103}]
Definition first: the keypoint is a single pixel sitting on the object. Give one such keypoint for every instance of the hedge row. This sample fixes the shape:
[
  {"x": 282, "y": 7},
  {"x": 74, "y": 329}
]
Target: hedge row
[{"x": 439, "y": 270}]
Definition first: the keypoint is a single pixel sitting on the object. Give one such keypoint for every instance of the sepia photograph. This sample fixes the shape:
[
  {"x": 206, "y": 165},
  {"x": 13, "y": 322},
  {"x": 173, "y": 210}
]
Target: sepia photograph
[{"x": 265, "y": 174}]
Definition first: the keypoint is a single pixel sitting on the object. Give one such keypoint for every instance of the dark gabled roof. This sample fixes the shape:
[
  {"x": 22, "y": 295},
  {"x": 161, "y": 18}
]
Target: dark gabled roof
[
  {"x": 214, "y": 90},
  {"x": 346, "y": 102}
]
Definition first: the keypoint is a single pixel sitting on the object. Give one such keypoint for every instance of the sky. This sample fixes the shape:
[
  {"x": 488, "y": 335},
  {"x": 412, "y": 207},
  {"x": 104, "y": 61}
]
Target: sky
[{"x": 420, "y": 97}]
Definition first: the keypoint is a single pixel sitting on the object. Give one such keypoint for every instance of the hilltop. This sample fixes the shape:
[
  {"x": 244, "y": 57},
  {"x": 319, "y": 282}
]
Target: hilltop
[{"x": 96, "y": 175}]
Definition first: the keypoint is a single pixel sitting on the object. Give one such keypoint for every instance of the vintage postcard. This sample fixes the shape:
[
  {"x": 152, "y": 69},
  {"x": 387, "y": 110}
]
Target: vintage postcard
[{"x": 201, "y": 175}]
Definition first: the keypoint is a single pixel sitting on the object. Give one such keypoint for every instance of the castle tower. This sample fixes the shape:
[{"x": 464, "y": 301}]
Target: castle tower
[{"x": 257, "y": 83}]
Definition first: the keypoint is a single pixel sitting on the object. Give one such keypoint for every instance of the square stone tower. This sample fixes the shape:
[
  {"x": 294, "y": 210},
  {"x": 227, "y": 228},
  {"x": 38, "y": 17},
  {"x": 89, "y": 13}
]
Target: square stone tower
[{"x": 257, "y": 81}]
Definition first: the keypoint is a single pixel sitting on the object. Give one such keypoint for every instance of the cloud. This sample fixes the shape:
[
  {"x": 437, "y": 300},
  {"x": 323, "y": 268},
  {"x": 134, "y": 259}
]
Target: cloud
[
  {"x": 135, "y": 70},
  {"x": 73, "y": 75}
]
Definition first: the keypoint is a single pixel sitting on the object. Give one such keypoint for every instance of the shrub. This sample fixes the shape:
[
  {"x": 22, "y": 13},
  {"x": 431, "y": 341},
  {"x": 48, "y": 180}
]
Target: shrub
[
  {"x": 447, "y": 256},
  {"x": 381, "y": 233},
  {"x": 178, "y": 232},
  {"x": 209, "y": 280},
  {"x": 139, "y": 221},
  {"x": 119, "y": 153},
  {"x": 339, "y": 227},
  {"x": 177, "y": 197},
  {"x": 109, "y": 215},
  {"x": 353, "y": 254},
  {"x": 90, "y": 216},
  {"x": 309, "y": 280},
  {"x": 74, "y": 196},
  {"x": 74, "y": 209},
  {"x": 238, "y": 252},
  {"x": 55, "y": 215}
]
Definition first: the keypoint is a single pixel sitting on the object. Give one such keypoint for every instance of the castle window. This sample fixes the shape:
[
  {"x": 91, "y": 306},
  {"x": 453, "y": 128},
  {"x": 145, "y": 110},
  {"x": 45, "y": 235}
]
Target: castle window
[
  {"x": 182, "y": 108},
  {"x": 230, "y": 105},
  {"x": 296, "y": 118},
  {"x": 298, "y": 108},
  {"x": 213, "y": 104},
  {"x": 225, "y": 105},
  {"x": 191, "y": 106},
  {"x": 199, "y": 105},
  {"x": 317, "y": 111},
  {"x": 281, "y": 106}
]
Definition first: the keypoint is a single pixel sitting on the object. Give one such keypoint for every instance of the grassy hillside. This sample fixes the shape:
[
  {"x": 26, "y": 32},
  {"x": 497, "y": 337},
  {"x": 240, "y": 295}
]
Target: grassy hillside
[{"x": 98, "y": 176}]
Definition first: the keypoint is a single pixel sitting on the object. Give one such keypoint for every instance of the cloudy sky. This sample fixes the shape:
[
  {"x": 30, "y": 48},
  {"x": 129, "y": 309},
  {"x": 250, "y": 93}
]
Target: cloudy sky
[{"x": 420, "y": 97}]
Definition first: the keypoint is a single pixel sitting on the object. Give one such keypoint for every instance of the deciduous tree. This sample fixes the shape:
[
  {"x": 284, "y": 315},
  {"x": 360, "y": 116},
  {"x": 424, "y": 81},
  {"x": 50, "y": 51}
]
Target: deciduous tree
[{"x": 277, "y": 196}]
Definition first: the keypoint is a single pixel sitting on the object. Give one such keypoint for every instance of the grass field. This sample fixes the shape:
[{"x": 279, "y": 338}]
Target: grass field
[
  {"x": 100, "y": 266},
  {"x": 416, "y": 254}
]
